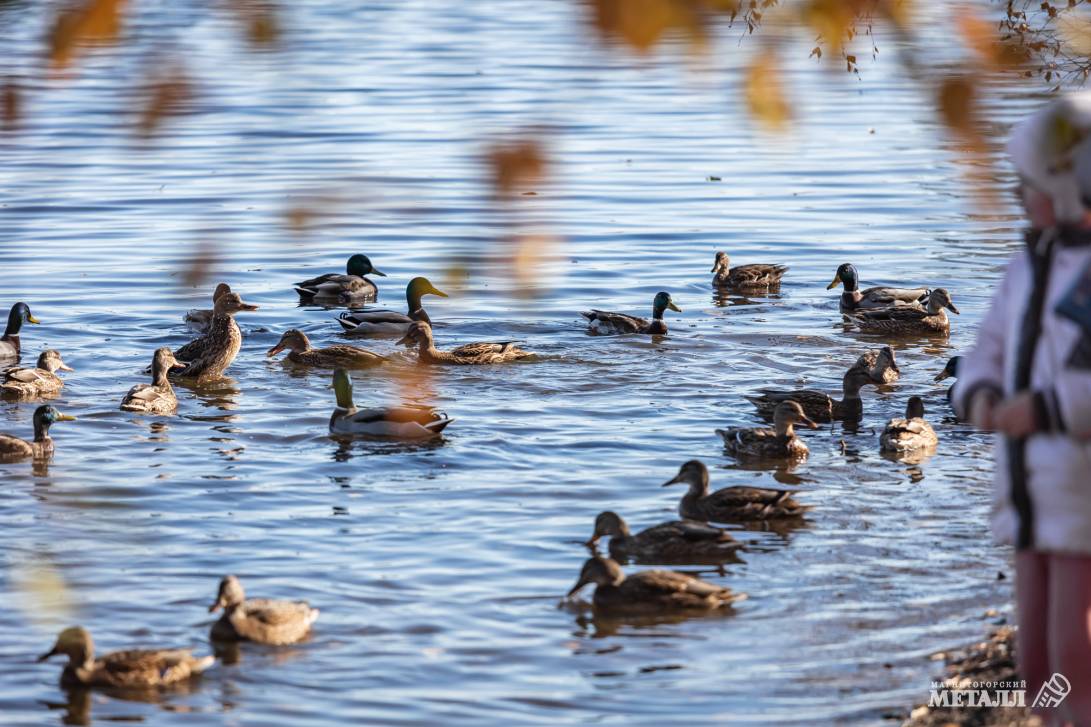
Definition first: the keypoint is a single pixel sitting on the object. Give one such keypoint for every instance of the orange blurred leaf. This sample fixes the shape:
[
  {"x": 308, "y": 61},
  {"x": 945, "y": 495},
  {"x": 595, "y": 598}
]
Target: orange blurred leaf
[
  {"x": 516, "y": 164},
  {"x": 82, "y": 23},
  {"x": 261, "y": 20},
  {"x": 642, "y": 23},
  {"x": 167, "y": 95},
  {"x": 11, "y": 105},
  {"x": 765, "y": 93}
]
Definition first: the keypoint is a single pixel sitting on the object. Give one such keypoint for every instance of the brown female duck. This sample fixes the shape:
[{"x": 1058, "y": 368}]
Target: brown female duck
[
  {"x": 731, "y": 504},
  {"x": 261, "y": 620},
  {"x": 649, "y": 592},
  {"x": 910, "y": 433},
  {"x": 818, "y": 405},
  {"x": 9, "y": 342},
  {"x": 755, "y": 276},
  {"x": 340, "y": 355},
  {"x": 881, "y": 365},
  {"x": 776, "y": 443},
  {"x": 420, "y": 333},
  {"x": 136, "y": 669},
  {"x": 678, "y": 541},
  {"x": 201, "y": 318},
  {"x": 12, "y": 447},
  {"x": 209, "y": 356},
  {"x": 40, "y": 381},
  {"x": 157, "y": 397},
  {"x": 909, "y": 320}
]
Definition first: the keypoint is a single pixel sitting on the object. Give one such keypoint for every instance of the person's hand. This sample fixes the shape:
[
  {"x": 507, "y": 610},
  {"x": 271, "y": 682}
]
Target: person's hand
[
  {"x": 1015, "y": 416},
  {"x": 982, "y": 410}
]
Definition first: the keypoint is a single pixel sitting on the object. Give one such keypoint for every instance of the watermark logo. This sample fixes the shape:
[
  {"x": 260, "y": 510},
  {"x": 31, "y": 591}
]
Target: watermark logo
[{"x": 1053, "y": 692}]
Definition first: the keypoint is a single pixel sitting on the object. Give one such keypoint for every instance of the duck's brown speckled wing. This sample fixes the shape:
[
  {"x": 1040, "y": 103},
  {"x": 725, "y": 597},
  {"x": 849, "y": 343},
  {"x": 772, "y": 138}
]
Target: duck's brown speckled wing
[
  {"x": 754, "y": 502},
  {"x": 687, "y": 530},
  {"x": 272, "y": 622},
  {"x": 882, "y": 297},
  {"x": 147, "y": 667},
  {"x": 12, "y": 446},
  {"x": 756, "y": 275},
  {"x": 489, "y": 352},
  {"x": 675, "y": 590},
  {"x": 619, "y": 322},
  {"x": 816, "y": 404},
  {"x": 905, "y": 434}
]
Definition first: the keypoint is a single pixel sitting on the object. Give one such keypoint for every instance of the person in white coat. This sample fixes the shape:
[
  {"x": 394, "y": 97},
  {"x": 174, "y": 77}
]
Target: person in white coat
[{"x": 1028, "y": 378}]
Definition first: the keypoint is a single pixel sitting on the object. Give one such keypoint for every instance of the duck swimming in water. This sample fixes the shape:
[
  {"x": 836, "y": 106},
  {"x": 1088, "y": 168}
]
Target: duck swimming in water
[
  {"x": 209, "y": 356},
  {"x": 755, "y": 276},
  {"x": 904, "y": 319},
  {"x": 466, "y": 355},
  {"x": 42, "y": 380},
  {"x": 649, "y": 592},
  {"x": 880, "y": 296},
  {"x": 133, "y": 669},
  {"x": 17, "y": 316},
  {"x": 677, "y": 541},
  {"x": 14, "y": 448},
  {"x": 607, "y": 323},
  {"x": 731, "y": 504},
  {"x": 157, "y": 397},
  {"x": 340, "y": 355},
  {"x": 261, "y": 620},
  {"x": 378, "y": 321},
  {"x": 818, "y": 405},
  {"x": 910, "y": 433},
  {"x": 404, "y": 422},
  {"x": 780, "y": 442},
  {"x": 201, "y": 318},
  {"x": 348, "y": 288}
]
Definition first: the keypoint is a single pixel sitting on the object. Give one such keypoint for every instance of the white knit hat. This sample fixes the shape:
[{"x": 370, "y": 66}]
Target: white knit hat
[{"x": 1051, "y": 151}]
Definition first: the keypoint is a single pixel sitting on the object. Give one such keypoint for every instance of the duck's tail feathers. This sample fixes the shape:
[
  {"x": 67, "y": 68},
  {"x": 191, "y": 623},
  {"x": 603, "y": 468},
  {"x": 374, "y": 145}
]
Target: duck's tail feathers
[
  {"x": 439, "y": 425},
  {"x": 201, "y": 664},
  {"x": 306, "y": 292}
]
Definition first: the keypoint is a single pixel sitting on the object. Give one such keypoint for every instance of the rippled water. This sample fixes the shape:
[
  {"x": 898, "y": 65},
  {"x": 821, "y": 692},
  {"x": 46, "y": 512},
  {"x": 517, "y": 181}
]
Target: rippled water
[{"x": 439, "y": 568}]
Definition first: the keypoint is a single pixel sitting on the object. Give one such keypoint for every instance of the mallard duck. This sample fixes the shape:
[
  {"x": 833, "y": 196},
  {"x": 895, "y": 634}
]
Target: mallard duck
[
  {"x": 261, "y": 620},
  {"x": 347, "y": 288},
  {"x": 950, "y": 371},
  {"x": 39, "y": 381},
  {"x": 406, "y": 422},
  {"x": 731, "y": 504},
  {"x": 909, "y": 319},
  {"x": 469, "y": 354},
  {"x": 17, "y": 316},
  {"x": 877, "y": 297},
  {"x": 331, "y": 357},
  {"x": 201, "y": 318},
  {"x": 780, "y": 441},
  {"x": 45, "y": 416},
  {"x": 753, "y": 276},
  {"x": 687, "y": 541},
  {"x": 818, "y": 405},
  {"x": 913, "y": 432},
  {"x": 379, "y": 321},
  {"x": 135, "y": 669},
  {"x": 881, "y": 365},
  {"x": 209, "y": 356},
  {"x": 606, "y": 323},
  {"x": 650, "y": 591},
  {"x": 158, "y": 396}
]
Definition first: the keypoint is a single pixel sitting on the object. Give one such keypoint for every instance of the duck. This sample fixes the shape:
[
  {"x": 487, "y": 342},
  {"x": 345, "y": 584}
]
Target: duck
[
  {"x": 45, "y": 416},
  {"x": 649, "y": 592},
  {"x": 42, "y": 380},
  {"x": 260, "y": 620},
  {"x": 687, "y": 541},
  {"x": 817, "y": 405},
  {"x": 950, "y": 371},
  {"x": 336, "y": 356},
  {"x": 754, "y": 275},
  {"x": 420, "y": 333},
  {"x": 9, "y": 342},
  {"x": 779, "y": 442},
  {"x": 731, "y": 504},
  {"x": 606, "y": 323},
  {"x": 881, "y": 296},
  {"x": 347, "y": 288},
  {"x": 388, "y": 322},
  {"x": 201, "y": 318},
  {"x": 910, "y": 433},
  {"x": 881, "y": 365},
  {"x": 158, "y": 396},
  {"x": 209, "y": 356},
  {"x": 134, "y": 669},
  {"x": 405, "y": 422},
  {"x": 904, "y": 319}
]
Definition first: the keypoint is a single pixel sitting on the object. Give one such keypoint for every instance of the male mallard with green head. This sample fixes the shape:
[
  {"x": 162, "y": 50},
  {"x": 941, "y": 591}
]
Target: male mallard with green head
[
  {"x": 755, "y": 276},
  {"x": 881, "y": 365},
  {"x": 42, "y": 380},
  {"x": 17, "y": 316},
  {"x": 209, "y": 356},
  {"x": 45, "y": 416},
  {"x": 261, "y": 620},
  {"x": 817, "y": 405},
  {"x": 776, "y": 443},
  {"x": 404, "y": 422},
  {"x": 678, "y": 541},
  {"x": 910, "y": 433},
  {"x": 377, "y": 321},
  {"x": 157, "y": 397},
  {"x": 607, "y": 323},
  {"x": 469, "y": 354},
  {"x": 880, "y": 296},
  {"x": 731, "y": 504},
  {"x": 134, "y": 669},
  {"x": 340, "y": 355},
  {"x": 351, "y": 287},
  {"x": 904, "y": 319},
  {"x": 201, "y": 318},
  {"x": 649, "y": 592}
]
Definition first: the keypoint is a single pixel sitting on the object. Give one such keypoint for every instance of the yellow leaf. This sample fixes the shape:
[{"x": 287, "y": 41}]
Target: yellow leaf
[
  {"x": 89, "y": 21},
  {"x": 765, "y": 93}
]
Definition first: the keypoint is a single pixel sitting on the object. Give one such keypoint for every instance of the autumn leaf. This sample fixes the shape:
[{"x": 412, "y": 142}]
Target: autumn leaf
[
  {"x": 957, "y": 103},
  {"x": 765, "y": 93},
  {"x": 516, "y": 165},
  {"x": 10, "y": 105},
  {"x": 166, "y": 95},
  {"x": 641, "y": 24},
  {"x": 82, "y": 23}
]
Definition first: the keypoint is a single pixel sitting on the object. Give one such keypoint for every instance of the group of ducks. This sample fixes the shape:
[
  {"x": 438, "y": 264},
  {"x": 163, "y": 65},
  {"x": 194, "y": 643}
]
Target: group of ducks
[{"x": 690, "y": 540}]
